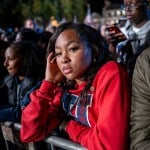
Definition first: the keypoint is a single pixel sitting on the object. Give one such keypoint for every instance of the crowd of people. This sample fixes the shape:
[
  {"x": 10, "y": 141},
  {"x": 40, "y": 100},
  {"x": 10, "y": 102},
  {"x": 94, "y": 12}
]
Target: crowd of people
[{"x": 95, "y": 87}]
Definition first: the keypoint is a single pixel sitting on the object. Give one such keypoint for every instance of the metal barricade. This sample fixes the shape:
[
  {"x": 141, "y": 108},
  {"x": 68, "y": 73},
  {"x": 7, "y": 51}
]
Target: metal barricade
[{"x": 11, "y": 133}]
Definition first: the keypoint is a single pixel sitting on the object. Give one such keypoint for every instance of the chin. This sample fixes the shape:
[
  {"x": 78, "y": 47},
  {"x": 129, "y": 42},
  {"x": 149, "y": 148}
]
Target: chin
[
  {"x": 12, "y": 74},
  {"x": 70, "y": 77}
]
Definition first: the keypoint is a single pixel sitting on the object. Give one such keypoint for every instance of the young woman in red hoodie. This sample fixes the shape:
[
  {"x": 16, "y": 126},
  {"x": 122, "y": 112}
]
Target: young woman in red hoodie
[{"x": 82, "y": 80}]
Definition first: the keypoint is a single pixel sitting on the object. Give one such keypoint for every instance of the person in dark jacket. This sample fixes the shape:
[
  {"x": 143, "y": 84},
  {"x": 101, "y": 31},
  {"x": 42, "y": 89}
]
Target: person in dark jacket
[{"x": 22, "y": 63}]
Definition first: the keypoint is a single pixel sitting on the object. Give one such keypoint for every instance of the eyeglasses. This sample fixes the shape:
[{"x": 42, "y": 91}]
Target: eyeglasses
[{"x": 132, "y": 7}]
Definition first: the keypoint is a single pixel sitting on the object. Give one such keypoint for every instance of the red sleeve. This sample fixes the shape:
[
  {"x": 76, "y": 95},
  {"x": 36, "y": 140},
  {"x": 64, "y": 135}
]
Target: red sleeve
[
  {"x": 39, "y": 118},
  {"x": 111, "y": 130}
]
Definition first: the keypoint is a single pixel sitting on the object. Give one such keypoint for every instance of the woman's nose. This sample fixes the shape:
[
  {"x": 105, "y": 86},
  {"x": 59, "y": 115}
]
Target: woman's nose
[{"x": 65, "y": 57}]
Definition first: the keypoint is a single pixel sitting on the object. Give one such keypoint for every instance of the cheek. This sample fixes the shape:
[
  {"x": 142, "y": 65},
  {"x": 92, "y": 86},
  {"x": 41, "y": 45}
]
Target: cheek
[
  {"x": 83, "y": 61},
  {"x": 17, "y": 65},
  {"x": 59, "y": 63}
]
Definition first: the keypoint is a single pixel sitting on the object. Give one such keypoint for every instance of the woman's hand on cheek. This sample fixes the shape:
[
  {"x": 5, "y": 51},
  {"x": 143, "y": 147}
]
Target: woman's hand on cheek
[{"x": 53, "y": 74}]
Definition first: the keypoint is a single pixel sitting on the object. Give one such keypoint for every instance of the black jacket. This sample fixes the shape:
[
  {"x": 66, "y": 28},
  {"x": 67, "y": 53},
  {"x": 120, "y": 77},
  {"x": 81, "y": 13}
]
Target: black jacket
[{"x": 14, "y": 96}]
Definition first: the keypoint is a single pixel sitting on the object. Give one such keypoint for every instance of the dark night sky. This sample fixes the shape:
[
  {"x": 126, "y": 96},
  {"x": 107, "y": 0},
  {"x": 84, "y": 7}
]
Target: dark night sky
[
  {"x": 7, "y": 18},
  {"x": 96, "y": 5}
]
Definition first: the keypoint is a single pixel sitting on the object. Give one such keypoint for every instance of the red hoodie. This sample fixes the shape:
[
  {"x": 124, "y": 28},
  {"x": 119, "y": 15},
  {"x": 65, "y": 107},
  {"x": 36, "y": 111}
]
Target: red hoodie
[{"x": 102, "y": 124}]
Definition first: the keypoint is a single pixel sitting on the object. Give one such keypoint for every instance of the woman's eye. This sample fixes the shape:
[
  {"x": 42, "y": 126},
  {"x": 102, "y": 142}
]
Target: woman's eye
[
  {"x": 10, "y": 58},
  {"x": 57, "y": 54},
  {"x": 73, "y": 48}
]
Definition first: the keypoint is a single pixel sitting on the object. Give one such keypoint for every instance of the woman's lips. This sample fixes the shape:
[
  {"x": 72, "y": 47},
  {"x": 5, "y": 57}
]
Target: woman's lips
[
  {"x": 67, "y": 70},
  {"x": 9, "y": 69}
]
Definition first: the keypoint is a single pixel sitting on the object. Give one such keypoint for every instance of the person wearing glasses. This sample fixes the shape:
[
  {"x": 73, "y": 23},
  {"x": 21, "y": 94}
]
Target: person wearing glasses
[
  {"x": 135, "y": 31},
  {"x": 136, "y": 28},
  {"x": 138, "y": 23}
]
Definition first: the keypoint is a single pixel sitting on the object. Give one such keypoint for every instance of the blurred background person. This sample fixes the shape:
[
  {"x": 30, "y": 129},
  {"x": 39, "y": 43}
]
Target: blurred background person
[
  {"x": 22, "y": 64},
  {"x": 131, "y": 38},
  {"x": 29, "y": 23}
]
